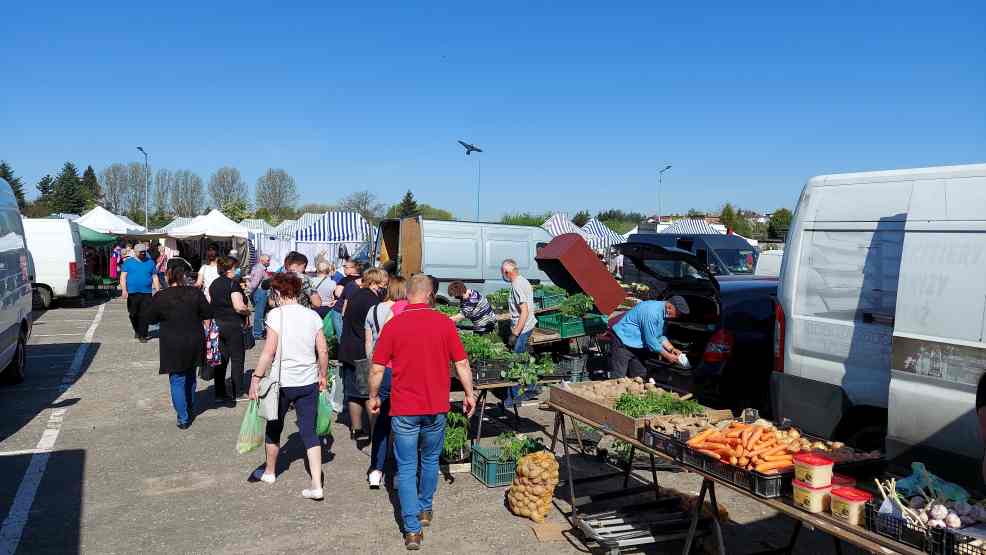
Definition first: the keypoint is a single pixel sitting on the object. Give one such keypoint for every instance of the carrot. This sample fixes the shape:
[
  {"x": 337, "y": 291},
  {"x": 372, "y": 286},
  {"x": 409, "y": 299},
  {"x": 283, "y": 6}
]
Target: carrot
[
  {"x": 743, "y": 461},
  {"x": 773, "y": 465},
  {"x": 732, "y": 460},
  {"x": 754, "y": 437},
  {"x": 740, "y": 451},
  {"x": 778, "y": 458},
  {"x": 774, "y": 450},
  {"x": 746, "y": 435},
  {"x": 712, "y": 454},
  {"x": 701, "y": 436},
  {"x": 734, "y": 441},
  {"x": 734, "y": 433}
]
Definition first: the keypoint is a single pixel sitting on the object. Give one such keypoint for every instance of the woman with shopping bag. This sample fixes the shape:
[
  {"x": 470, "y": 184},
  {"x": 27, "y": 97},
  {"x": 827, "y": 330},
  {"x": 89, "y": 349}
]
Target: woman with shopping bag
[{"x": 291, "y": 370}]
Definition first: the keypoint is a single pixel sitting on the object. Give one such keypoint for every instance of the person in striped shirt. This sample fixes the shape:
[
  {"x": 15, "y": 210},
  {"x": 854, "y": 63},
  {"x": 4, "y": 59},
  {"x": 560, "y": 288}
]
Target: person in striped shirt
[{"x": 474, "y": 307}]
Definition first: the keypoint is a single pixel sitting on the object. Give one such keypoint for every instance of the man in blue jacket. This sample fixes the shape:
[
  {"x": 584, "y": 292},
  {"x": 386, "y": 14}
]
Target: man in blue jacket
[{"x": 641, "y": 333}]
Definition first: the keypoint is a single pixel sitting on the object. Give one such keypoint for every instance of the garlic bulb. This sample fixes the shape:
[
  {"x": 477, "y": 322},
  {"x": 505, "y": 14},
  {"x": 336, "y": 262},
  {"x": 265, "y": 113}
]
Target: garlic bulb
[
  {"x": 953, "y": 521},
  {"x": 936, "y": 524},
  {"x": 938, "y": 511}
]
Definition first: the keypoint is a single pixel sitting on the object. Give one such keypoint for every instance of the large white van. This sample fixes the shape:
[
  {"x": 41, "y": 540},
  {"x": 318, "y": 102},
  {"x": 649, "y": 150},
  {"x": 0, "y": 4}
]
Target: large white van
[
  {"x": 466, "y": 251},
  {"x": 15, "y": 289},
  {"x": 881, "y": 313},
  {"x": 55, "y": 245}
]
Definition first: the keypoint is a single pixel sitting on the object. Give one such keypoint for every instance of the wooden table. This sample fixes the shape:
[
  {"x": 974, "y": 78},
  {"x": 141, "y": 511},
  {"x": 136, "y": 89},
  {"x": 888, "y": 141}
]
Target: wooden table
[{"x": 840, "y": 531}]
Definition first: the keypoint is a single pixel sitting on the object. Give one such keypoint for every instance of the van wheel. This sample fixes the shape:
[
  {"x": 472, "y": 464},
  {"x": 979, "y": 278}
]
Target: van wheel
[
  {"x": 14, "y": 372},
  {"x": 42, "y": 298}
]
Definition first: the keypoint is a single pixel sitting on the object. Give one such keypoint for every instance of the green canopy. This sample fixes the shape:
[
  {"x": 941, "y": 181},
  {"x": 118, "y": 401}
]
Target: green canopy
[{"x": 95, "y": 238}]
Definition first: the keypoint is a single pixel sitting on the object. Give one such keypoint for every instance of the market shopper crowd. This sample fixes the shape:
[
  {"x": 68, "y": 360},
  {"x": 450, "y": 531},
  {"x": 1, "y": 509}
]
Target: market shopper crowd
[{"x": 394, "y": 353}]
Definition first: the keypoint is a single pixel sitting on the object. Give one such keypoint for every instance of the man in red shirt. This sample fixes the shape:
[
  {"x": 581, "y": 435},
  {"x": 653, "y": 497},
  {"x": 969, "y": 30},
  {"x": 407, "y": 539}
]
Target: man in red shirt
[{"x": 418, "y": 346}]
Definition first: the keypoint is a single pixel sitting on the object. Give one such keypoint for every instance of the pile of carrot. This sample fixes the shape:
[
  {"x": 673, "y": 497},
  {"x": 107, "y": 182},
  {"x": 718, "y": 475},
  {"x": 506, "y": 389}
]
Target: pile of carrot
[{"x": 751, "y": 447}]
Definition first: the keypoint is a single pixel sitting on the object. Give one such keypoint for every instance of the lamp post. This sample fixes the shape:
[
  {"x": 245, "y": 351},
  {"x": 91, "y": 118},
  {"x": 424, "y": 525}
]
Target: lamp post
[
  {"x": 479, "y": 170},
  {"x": 147, "y": 180},
  {"x": 660, "y": 186}
]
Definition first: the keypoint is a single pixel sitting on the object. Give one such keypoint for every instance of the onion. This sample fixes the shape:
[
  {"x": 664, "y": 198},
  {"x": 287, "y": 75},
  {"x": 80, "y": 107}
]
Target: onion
[
  {"x": 953, "y": 521},
  {"x": 923, "y": 516},
  {"x": 936, "y": 523},
  {"x": 938, "y": 511}
]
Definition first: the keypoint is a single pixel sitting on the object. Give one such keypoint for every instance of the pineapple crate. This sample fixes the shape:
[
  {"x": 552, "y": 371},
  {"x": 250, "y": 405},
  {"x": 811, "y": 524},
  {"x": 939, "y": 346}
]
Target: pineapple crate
[{"x": 488, "y": 469}]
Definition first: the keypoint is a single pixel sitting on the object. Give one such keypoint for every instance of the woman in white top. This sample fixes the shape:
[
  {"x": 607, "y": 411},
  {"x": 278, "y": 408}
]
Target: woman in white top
[
  {"x": 208, "y": 273},
  {"x": 295, "y": 341}
]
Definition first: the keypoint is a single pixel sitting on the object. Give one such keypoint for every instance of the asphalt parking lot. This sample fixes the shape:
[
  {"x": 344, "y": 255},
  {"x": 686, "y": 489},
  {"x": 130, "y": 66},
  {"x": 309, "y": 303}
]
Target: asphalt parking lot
[{"x": 93, "y": 463}]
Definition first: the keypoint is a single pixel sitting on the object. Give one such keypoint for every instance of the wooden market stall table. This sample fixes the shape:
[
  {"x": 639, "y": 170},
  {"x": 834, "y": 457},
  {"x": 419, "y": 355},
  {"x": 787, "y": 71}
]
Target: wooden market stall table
[{"x": 840, "y": 531}]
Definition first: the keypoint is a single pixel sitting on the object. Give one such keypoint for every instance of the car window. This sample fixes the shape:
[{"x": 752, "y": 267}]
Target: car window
[{"x": 738, "y": 261}]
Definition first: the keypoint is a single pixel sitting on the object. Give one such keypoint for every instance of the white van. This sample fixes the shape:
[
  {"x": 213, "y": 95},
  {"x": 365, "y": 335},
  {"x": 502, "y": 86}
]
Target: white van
[
  {"x": 881, "y": 313},
  {"x": 55, "y": 245},
  {"x": 465, "y": 251},
  {"x": 15, "y": 290}
]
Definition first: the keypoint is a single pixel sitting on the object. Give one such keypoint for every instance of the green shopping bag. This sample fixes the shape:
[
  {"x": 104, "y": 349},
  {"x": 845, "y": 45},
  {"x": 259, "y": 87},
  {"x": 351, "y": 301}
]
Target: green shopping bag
[
  {"x": 323, "y": 423},
  {"x": 251, "y": 430}
]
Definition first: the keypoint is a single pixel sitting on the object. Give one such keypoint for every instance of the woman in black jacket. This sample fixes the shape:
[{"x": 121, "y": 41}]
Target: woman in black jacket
[
  {"x": 229, "y": 310},
  {"x": 352, "y": 347},
  {"x": 180, "y": 309}
]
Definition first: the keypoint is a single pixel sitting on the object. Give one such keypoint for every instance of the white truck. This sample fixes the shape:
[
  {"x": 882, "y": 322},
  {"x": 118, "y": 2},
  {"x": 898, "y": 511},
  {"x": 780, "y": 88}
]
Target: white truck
[{"x": 58, "y": 261}]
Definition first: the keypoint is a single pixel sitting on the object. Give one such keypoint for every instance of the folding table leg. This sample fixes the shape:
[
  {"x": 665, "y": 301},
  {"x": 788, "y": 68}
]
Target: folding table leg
[
  {"x": 653, "y": 475},
  {"x": 629, "y": 468},
  {"x": 696, "y": 513},
  {"x": 568, "y": 470},
  {"x": 554, "y": 435},
  {"x": 481, "y": 401},
  {"x": 578, "y": 434}
]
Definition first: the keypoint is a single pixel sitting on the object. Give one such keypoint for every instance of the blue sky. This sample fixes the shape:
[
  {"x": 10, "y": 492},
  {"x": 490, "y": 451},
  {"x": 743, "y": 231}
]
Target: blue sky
[{"x": 576, "y": 104}]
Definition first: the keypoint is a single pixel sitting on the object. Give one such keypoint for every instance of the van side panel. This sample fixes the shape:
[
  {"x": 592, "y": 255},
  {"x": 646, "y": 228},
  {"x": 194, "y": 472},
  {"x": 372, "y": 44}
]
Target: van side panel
[{"x": 451, "y": 250}]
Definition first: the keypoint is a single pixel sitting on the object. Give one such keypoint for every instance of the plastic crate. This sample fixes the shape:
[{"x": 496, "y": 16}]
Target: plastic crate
[
  {"x": 595, "y": 323},
  {"x": 895, "y": 528},
  {"x": 543, "y": 301},
  {"x": 488, "y": 469},
  {"x": 487, "y": 372},
  {"x": 663, "y": 443},
  {"x": 549, "y": 321},
  {"x": 572, "y": 364},
  {"x": 954, "y": 542},
  {"x": 696, "y": 460}
]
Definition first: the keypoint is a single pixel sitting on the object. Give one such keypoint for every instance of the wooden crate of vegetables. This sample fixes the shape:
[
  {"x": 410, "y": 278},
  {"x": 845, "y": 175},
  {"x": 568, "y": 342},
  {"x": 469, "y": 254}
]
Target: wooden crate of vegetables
[{"x": 622, "y": 405}]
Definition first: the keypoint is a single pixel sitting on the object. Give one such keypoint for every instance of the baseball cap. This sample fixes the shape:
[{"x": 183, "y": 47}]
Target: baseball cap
[
  {"x": 140, "y": 247},
  {"x": 679, "y": 303}
]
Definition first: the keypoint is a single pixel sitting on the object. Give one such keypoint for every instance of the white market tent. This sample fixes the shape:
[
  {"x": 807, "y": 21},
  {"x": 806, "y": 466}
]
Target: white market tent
[
  {"x": 560, "y": 224},
  {"x": 258, "y": 225},
  {"x": 102, "y": 220},
  {"x": 317, "y": 236},
  {"x": 179, "y": 221},
  {"x": 606, "y": 236},
  {"x": 214, "y": 225}
]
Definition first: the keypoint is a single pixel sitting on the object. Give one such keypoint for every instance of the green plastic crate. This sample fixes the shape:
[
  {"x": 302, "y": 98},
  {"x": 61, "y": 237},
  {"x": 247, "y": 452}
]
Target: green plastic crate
[
  {"x": 548, "y": 300},
  {"x": 549, "y": 321},
  {"x": 487, "y": 468}
]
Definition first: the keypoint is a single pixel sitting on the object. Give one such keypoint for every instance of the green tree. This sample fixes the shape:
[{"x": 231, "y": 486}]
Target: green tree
[
  {"x": 581, "y": 217},
  {"x": 425, "y": 210},
  {"x": 90, "y": 188},
  {"x": 780, "y": 222},
  {"x": 47, "y": 189},
  {"x": 235, "y": 209},
  {"x": 265, "y": 215},
  {"x": 68, "y": 196},
  {"x": 16, "y": 185},
  {"x": 735, "y": 220},
  {"x": 525, "y": 218},
  {"x": 694, "y": 214},
  {"x": 408, "y": 206}
]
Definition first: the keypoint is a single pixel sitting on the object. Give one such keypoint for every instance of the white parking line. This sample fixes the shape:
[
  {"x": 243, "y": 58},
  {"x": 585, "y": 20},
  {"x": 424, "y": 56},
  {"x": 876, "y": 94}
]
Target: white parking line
[
  {"x": 20, "y": 509},
  {"x": 55, "y": 334}
]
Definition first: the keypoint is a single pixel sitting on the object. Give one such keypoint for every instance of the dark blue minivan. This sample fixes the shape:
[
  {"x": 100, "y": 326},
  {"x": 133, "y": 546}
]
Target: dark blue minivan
[{"x": 725, "y": 255}]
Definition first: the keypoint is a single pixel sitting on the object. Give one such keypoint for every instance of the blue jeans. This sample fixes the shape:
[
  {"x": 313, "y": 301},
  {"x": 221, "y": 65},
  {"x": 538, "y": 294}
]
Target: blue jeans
[
  {"x": 259, "y": 311},
  {"x": 418, "y": 441},
  {"x": 520, "y": 347},
  {"x": 381, "y": 429},
  {"x": 183, "y": 395}
]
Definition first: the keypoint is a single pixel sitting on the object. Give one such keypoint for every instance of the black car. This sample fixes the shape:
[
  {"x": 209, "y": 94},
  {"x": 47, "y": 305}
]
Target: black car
[
  {"x": 728, "y": 335},
  {"x": 725, "y": 254}
]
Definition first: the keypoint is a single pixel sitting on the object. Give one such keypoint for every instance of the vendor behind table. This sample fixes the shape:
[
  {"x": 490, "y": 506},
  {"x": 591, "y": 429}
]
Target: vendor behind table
[{"x": 641, "y": 333}]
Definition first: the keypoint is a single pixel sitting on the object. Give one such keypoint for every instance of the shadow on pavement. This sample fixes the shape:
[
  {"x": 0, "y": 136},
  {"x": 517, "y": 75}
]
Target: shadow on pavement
[
  {"x": 47, "y": 366},
  {"x": 54, "y": 519}
]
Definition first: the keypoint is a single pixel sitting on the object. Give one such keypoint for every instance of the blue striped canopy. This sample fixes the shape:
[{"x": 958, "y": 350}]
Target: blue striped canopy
[
  {"x": 691, "y": 227},
  {"x": 333, "y": 227},
  {"x": 604, "y": 236}
]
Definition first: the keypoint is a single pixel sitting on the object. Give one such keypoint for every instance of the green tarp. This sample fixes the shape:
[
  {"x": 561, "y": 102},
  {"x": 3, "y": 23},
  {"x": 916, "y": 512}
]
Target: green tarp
[{"x": 95, "y": 238}]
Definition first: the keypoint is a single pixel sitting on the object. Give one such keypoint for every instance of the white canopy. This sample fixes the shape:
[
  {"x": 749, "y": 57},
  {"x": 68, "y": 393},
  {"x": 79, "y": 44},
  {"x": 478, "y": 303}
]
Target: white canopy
[
  {"x": 214, "y": 224},
  {"x": 102, "y": 220}
]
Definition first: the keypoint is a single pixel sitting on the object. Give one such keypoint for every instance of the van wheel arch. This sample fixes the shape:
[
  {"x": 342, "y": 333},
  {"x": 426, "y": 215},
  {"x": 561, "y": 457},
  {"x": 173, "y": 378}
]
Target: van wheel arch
[
  {"x": 864, "y": 427},
  {"x": 44, "y": 296},
  {"x": 14, "y": 372}
]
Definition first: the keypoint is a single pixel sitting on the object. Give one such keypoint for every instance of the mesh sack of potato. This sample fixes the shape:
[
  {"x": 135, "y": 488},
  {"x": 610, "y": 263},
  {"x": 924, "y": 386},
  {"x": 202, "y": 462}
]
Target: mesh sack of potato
[{"x": 533, "y": 486}]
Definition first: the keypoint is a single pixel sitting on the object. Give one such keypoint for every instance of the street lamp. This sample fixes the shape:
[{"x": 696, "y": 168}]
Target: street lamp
[
  {"x": 147, "y": 180},
  {"x": 479, "y": 170},
  {"x": 660, "y": 183}
]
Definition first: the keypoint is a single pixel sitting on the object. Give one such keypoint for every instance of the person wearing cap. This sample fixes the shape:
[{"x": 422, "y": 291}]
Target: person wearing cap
[
  {"x": 139, "y": 281},
  {"x": 640, "y": 333}
]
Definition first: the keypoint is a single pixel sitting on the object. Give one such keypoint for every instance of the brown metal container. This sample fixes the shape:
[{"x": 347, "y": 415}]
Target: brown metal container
[{"x": 574, "y": 267}]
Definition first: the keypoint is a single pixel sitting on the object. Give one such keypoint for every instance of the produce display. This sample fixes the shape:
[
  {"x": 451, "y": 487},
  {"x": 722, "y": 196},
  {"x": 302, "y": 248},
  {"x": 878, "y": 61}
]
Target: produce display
[
  {"x": 759, "y": 446},
  {"x": 607, "y": 392},
  {"x": 673, "y": 424},
  {"x": 456, "y": 436},
  {"x": 577, "y": 306},
  {"x": 527, "y": 370},
  {"x": 930, "y": 510},
  {"x": 533, "y": 486},
  {"x": 498, "y": 299},
  {"x": 485, "y": 348},
  {"x": 447, "y": 309},
  {"x": 657, "y": 403},
  {"x": 514, "y": 446}
]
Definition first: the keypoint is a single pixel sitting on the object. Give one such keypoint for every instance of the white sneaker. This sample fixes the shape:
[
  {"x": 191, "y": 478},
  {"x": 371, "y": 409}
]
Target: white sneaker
[
  {"x": 314, "y": 494},
  {"x": 375, "y": 478},
  {"x": 263, "y": 477}
]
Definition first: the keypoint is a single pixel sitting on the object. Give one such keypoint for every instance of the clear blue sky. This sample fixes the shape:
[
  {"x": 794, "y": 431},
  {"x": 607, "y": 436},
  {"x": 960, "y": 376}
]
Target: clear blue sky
[{"x": 575, "y": 103}]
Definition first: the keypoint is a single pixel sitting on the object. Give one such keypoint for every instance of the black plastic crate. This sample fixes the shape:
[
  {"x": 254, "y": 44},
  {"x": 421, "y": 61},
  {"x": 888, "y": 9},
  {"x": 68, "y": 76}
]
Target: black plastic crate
[
  {"x": 663, "y": 443},
  {"x": 770, "y": 486},
  {"x": 695, "y": 459},
  {"x": 895, "y": 528},
  {"x": 722, "y": 470},
  {"x": 487, "y": 372},
  {"x": 954, "y": 542}
]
